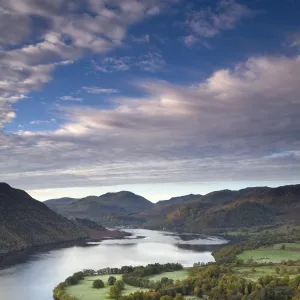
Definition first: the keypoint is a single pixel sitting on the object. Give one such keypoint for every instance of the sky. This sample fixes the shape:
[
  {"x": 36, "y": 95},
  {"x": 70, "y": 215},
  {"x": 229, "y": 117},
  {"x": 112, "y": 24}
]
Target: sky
[{"x": 159, "y": 97}]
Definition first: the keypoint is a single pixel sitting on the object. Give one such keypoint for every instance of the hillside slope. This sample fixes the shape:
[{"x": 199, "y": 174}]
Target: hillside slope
[
  {"x": 27, "y": 222},
  {"x": 230, "y": 209},
  {"x": 95, "y": 207}
]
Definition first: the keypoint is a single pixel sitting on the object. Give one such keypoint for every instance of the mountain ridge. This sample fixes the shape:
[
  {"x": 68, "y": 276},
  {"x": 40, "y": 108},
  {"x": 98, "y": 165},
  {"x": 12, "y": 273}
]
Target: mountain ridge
[
  {"x": 216, "y": 210},
  {"x": 26, "y": 222},
  {"x": 94, "y": 207}
]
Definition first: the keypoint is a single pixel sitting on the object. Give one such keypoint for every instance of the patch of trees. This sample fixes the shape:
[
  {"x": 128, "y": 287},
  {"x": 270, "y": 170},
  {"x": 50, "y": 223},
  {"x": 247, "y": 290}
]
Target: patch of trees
[
  {"x": 98, "y": 284},
  {"x": 218, "y": 283},
  {"x": 111, "y": 280},
  {"x": 108, "y": 271},
  {"x": 115, "y": 291},
  {"x": 59, "y": 292},
  {"x": 228, "y": 254},
  {"x": 139, "y": 277}
]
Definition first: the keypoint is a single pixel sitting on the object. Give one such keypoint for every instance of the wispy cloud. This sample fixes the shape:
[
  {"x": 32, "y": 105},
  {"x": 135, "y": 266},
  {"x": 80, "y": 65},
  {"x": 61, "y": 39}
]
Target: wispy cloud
[
  {"x": 149, "y": 62},
  {"x": 141, "y": 39},
  {"x": 39, "y": 122},
  {"x": 208, "y": 22},
  {"x": 71, "y": 98},
  {"x": 27, "y": 63},
  {"x": 99, "y": 90},
  {"x": 224, "y": 127}
]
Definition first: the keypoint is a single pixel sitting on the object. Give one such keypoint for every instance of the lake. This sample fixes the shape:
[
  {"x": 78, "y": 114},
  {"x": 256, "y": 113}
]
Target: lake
[{"x": 35, "y": 279}]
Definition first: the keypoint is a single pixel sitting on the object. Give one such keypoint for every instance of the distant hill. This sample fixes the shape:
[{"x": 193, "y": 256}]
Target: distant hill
[
  {"x": 254, "y": 206},
  {"x": 96, "y": 207},
  {"x": 58, "y": 204},
  {"x": 230, "y": 209},
  {"x": 27, "y": 222},
  {"x": 179, "y": 200}
]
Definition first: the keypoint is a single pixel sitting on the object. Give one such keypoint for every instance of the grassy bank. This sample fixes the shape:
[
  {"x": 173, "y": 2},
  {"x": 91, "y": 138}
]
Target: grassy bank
[
  {"x": 176, "y": 275},
  {"x": 84, "y": 290},
  {"x": 275, "y": 253}
]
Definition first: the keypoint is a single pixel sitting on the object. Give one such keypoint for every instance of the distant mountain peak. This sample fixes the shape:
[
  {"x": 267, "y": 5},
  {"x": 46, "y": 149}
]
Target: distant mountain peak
[
  {"x": 4, "y": 185},
  {"x": 118, "y": 193}
]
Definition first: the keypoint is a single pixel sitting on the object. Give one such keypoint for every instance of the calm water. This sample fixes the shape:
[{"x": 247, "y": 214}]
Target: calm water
[{"x": 35, "y": 279}]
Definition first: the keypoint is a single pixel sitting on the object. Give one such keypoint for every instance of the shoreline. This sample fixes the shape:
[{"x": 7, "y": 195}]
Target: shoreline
[{"x": 16, "y": 257}]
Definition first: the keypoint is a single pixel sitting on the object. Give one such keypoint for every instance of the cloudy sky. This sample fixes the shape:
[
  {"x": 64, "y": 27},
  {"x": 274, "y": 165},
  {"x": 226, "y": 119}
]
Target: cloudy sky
[{"x": 160, "y": 97}]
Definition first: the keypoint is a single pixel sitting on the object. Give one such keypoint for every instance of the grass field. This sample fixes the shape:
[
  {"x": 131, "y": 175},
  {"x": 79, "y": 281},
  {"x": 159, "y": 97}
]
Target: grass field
[
  {"x": 273, "y": 253},
  {"x": 84, "y": 290},
  {"x": 269, "y": 255},
  {"x": 257, "y": 272},
  {"x": 248, "y": 273},
  {"x": 288, "y": 246},
  {"x": 176, "y": 275}
]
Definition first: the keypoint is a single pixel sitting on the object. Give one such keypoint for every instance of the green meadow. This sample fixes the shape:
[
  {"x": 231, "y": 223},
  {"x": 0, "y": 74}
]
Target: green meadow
[
  {"x": 275, "y": 253},
  {"x": 84, "y": 290},
  {"x": 176, "y": 275}
]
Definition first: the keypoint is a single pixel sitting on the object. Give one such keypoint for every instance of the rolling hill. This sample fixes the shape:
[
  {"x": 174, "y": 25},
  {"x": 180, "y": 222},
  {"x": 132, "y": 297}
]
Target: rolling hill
[
  {"x": 230, "y": 209},
  {"x": 254, "y": 206},
  {"x": 26, "y": 222},
  {"x": 96, "y": 207}
]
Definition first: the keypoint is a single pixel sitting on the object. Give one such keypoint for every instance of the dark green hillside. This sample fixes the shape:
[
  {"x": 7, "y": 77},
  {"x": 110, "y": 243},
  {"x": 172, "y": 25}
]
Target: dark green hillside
[
  {"x": 26, "y": 222},
  {"x": 58, "y": 204},
  {"x": 232, "y": 209},
  {"x": 95, "y": 207},
  {"x": 254, "y": 206},
  {"x": 180, "y": 199}
]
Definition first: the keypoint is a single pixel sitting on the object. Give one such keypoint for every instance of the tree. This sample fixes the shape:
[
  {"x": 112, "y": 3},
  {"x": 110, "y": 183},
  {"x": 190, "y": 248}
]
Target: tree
[
  {"x": 178, "y": 297},
  {"x": 98, "y": 284},
  {"x": 283, "y": 247},
  {"x": 120, "y": 284},
  {"x": 115, "y": 292},
  {"x": 164, "y": 280},
  {"x": 166, "y": 298},
  {"x": 111, "y": 280}
]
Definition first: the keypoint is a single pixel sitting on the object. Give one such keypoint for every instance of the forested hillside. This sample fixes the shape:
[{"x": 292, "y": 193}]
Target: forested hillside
[
  {"x": 216, "y": 211},
  {"x": 96, "y": 207},
  {"x": 27, "y": 222}
]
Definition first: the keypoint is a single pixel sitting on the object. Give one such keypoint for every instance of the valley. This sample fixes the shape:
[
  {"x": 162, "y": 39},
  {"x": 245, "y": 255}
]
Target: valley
[
  {"x": 250, "y": 235},
  {"x": 216, "y": 212}
]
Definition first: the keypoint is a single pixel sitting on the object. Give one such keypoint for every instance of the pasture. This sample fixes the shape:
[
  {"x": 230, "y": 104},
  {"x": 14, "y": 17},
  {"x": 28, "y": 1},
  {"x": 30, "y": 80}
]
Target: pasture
[
  {"x": 84, "y": 290},
  {"x": 275, "y": 253}
]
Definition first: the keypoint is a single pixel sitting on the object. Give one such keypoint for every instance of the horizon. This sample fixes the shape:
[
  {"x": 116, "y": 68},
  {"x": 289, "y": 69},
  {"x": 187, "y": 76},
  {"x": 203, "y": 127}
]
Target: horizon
[
  {"x": 160, "y": 97},
  {"x": 154, "y": 197}
]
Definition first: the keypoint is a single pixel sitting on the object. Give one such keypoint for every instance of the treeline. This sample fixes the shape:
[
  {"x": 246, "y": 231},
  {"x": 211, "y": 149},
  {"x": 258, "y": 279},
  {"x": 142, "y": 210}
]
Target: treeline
[
  {"x": 228, "y": 254},
  {"x": 139, "y": 277},
  {"x": 59, "y": 292},
  {"x": 138, "y": 273},
  {"x": 217, "y": 283},
  {"x": 108, "y": 271}
]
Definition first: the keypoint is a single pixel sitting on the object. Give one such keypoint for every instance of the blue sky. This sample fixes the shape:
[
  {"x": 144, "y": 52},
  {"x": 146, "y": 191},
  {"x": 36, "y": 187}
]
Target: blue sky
[{"x": 162, "y": 98}]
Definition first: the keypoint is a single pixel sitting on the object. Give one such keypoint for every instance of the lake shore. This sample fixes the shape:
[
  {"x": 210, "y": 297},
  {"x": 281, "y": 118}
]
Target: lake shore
[{"x": 12, "y": 258}]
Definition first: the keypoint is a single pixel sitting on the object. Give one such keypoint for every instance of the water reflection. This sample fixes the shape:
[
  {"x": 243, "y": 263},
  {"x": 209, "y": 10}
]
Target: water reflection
[{"x": 36, "y": 278}]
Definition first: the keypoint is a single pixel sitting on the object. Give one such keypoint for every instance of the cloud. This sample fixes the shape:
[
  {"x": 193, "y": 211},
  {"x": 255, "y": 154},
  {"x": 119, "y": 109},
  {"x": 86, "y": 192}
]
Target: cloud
[
  {"x": 208, "y": 22},
  {"x": 38, "y": 122},
  {"x": 71, "y": 98},
  {"x": 227, "y": 127},
  {"x": 293, "y": 40},
  {"x": 36, "y": 37},
  {"x": 7, "y": 114},
  {"x": 141, "y": 39},
  {"x": 98, "y": 90},
  {"x": 14, "y": 28},
  {"x": 149, "y": 62}
]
